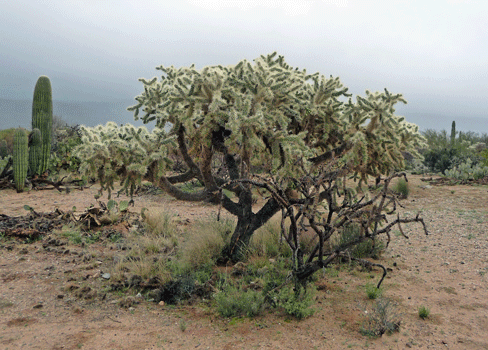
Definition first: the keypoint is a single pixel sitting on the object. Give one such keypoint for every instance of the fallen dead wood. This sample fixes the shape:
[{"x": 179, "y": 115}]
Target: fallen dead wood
[
  {"x": 35, "y": 225},
  {"x": 446, "y": 181}
]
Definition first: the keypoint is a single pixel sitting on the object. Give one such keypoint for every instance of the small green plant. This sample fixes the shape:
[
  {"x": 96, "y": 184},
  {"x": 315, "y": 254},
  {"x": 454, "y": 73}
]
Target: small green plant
[
  {"x": 234, "y": 302},
  {"x": 424, "y": 312},
  {"x": 402, "y": 188},
  {"x": 298, "y": 305},
  {"x": 372, "y": 291},
  {"x": 380, "y": 319},
  {"x": 183, "y": 325}
]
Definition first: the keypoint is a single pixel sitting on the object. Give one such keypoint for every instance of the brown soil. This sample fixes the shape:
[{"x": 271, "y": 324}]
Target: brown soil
[{"x": 52, "y": 299}]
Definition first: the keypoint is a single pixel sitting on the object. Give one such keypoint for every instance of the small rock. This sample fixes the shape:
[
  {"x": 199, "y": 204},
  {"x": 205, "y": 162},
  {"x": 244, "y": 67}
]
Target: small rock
[
  {"x": 38, "y": 306},
  {"x": 409, "y": 345},
  {"x": 161, "y": 303},
  {"x": 106, "y": 276}
]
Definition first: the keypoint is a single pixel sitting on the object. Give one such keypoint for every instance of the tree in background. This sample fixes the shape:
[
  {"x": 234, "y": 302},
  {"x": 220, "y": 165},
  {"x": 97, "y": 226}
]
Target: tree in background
[{"x": 275, "y": 127}]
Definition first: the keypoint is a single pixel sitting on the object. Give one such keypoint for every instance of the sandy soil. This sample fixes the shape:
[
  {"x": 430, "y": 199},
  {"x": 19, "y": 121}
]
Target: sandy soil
[{"x": 445, "y": 271}]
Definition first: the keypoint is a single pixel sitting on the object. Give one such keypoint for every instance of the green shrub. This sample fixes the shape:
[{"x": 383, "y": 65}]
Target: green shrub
[
  {"x": 298, "y": 305},
  {"x": 234, "y": 302},
  {"x": 402, "y": 188},
  {"x": 424, "y": 312}
]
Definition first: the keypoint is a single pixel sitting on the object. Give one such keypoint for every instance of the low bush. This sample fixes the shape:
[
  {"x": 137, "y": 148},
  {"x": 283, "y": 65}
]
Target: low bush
[
  {"x": 381, "y": 318},
  {"x": 402, "y": 188},
  {"x": 298, "y": 305},
  {"x": 235, "y": 302}
]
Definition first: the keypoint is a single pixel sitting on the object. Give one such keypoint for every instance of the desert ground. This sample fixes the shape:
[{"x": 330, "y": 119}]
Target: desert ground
[{"x": 42, "y": 304}]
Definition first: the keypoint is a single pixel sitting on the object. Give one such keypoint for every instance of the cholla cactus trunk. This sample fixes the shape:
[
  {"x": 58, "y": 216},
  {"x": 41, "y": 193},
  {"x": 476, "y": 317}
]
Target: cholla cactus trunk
[
  {"x": 20, "y": 158},
  {"x": 35, "y": 151},
  {"x": 42, "y": 119},
  {"x": 3, "y": 149}
]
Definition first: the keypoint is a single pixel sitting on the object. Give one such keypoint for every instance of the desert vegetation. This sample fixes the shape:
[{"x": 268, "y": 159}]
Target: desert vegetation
[{"x": 303, "y": 179}]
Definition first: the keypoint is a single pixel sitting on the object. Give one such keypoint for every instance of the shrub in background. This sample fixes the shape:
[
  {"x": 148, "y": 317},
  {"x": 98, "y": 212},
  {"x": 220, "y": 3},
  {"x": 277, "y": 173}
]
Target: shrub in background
[{"x": 402, "y": 188}]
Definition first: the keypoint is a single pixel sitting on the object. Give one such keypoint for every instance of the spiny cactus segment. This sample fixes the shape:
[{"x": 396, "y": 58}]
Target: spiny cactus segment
[
  {"x": 20, "y": 158},
  {"x": 42, "y": 119}
]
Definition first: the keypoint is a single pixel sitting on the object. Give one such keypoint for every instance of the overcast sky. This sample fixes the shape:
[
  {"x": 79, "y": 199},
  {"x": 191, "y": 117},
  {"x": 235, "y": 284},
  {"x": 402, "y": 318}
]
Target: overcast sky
[{"x": 435, "y": 52}]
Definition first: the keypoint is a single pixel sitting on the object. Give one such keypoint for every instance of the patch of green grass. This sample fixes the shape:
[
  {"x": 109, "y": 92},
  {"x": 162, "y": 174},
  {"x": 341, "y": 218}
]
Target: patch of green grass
[
  {"x": 372, "y": 291},
  {"x": 76, "y": 236}
]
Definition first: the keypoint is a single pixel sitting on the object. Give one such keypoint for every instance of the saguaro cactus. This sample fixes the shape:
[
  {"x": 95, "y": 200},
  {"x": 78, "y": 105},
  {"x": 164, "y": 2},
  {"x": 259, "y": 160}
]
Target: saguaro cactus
[
  {"x": 20, "y": 158},
  {"x": 42, "y": 119},
  {"x": 453, "y": 132},
  {"x": 35, "y": 151}
]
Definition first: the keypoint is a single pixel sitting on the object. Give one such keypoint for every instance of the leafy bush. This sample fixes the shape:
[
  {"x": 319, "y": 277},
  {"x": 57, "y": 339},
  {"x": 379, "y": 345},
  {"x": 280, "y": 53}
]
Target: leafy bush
[
  {"x": 444, "y": 152},
  {"x": 298, "y": 305},
  {"x": 65, "y": 140}
]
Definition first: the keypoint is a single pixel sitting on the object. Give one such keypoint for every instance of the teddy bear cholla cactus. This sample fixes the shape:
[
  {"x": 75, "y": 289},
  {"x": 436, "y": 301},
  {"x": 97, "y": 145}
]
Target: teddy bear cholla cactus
[
  {"x": 262, "y": 117},
  {"x": 110, "y": 152}
]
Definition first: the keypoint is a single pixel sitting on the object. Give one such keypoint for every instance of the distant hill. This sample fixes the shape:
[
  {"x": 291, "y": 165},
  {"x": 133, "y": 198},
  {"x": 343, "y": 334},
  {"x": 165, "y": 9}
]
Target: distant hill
[{"x": 15, "y": 113}]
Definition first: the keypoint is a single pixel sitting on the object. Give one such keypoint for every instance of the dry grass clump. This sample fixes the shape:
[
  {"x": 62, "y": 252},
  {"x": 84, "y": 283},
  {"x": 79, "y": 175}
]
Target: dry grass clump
[
  {"x": 267, "y": 241},
  {"x": 203, "y": 244},
  {"x": 146, "y": 250}
]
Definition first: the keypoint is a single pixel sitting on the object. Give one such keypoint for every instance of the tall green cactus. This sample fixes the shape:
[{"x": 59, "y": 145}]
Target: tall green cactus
[
  {"x": 35, "y": 148},
  {"x": 453, "y": 132},
  {"x": 42, "y": 119},
  {"x": 20, "y": 158}
]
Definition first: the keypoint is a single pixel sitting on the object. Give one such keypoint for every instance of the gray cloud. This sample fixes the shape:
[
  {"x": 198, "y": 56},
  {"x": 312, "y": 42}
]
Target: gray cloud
[{"x": 434, "y": 52}]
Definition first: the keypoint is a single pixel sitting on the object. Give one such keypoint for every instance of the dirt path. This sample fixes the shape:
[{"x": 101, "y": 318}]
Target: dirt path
[{"x": 52, "y": 297}]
